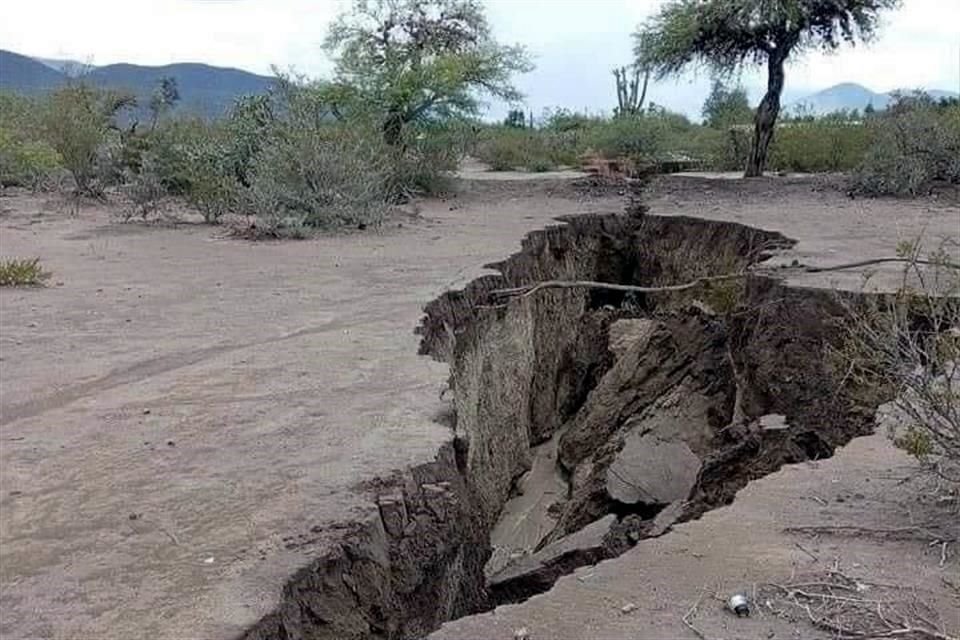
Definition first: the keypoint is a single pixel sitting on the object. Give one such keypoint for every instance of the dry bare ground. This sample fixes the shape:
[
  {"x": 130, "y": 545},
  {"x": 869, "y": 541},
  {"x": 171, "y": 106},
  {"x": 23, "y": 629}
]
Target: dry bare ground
[{"x": 187, "y": 419}]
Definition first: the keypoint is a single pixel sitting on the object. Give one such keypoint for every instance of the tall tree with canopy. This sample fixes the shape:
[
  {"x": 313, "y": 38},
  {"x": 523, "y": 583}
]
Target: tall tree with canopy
[
  {"x": 415, "y": 59},
  {"x": 729, "y": 34}
]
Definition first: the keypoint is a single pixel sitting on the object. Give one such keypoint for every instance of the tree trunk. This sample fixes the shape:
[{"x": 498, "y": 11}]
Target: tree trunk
[{"x": 766, "y": 117}]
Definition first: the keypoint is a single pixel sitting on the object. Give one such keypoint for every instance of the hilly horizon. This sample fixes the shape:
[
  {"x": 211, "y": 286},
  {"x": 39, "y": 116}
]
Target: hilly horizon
[
  {"x": 851, "y": 95},
  {"x": 210, "y": 90},
  {"x": 204, "y": 89}
]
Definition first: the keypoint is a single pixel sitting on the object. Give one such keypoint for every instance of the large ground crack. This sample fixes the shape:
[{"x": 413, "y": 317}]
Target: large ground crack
[{"x": 595, "y": 418}]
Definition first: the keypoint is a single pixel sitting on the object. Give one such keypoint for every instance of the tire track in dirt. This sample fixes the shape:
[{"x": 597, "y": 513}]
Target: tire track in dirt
[{"x": 141, "y": 371}]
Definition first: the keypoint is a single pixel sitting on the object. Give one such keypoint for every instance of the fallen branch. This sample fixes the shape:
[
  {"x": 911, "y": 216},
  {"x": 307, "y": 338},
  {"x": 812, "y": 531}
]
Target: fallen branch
[{"x": 528, "y": 290}]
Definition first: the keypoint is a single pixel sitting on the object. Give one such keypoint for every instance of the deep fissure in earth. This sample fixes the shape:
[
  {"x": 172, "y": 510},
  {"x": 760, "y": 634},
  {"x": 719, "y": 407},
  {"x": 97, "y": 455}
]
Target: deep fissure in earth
[{"x": 585, "y": 421}]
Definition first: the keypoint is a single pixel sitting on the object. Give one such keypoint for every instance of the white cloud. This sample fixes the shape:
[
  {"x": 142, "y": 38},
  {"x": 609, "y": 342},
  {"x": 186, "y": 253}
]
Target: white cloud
[{"x": 575, "y": 42}]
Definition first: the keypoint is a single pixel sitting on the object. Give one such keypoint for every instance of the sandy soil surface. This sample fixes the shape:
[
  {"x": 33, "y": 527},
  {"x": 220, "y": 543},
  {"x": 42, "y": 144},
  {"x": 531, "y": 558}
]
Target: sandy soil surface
[
  {"x": 177, "y": 407},
  {"x": 831, "y": 228}
]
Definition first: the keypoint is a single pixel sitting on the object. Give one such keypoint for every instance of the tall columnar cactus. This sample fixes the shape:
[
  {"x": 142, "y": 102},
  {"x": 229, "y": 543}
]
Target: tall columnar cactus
[{"x": 630, "y": 96}]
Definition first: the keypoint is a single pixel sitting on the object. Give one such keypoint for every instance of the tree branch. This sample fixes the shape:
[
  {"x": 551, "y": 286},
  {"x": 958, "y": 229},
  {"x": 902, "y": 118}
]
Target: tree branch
[{"x": 528, "y": 290}]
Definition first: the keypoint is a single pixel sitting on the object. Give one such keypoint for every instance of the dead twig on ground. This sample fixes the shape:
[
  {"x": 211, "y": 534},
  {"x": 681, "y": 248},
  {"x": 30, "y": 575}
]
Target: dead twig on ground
[
  {"x": 848, "y": 616},
  {"x": 691, "y": 612},
  {"x": 809, "y": 553}
]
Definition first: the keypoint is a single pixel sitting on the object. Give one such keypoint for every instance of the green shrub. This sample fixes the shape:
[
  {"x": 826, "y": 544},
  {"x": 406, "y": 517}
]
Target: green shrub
[
  {"x": 428, "y": 157},
  {"x": 819, "y": 146},
  {"x": 508, "y": 148},
  {"x": 915, "y": 145},
  {"x": 185, "y": 157},
  {"x": 26, "y": 163},
  {"x": 77, "y": 122},
  {"x": 26, "y": 160},
  {"x": 326, "y": 177},
  {"x": 656, "y": 136},
  {"x": 25, "y": 272}
]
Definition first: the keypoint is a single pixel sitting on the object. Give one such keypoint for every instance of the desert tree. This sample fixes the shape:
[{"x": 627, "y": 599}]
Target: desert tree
[
  {"x": 727, "y": 35},
  {"x": 726, "y": 106},
  {"x": 411, "y": 60}
]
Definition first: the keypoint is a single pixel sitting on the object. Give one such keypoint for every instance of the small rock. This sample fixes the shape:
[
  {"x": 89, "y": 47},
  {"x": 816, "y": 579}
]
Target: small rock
[
  {"x": 146, "y": 412},
  {"x": 208, "y": 560},
  {"x": 628, "y": 608},
  {"x": 134, "y": 516},
  {"x": 521, "y": 634},
  {"x": 32, "y": 325},
  {"x": 171, "y": 443}
]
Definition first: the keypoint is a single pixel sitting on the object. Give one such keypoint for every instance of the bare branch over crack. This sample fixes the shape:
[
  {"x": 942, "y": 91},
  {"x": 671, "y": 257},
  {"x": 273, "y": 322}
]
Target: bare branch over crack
[{"x": 531, "y": 289}]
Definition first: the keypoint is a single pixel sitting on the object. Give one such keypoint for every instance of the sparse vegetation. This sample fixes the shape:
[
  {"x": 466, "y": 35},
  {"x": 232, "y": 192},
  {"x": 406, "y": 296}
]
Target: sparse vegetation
[
  {"x": 908, "y": 344},
  {"x": 401, "y": 112},
  {"x": 728, "y": 35},
  {"x": 915, "y": 145},
  {"x": 22, "y": 272},
  {"x": 26, "y": 158},
  {"x": 821, "y": 145},
  {"x": 79, "y": 122}
]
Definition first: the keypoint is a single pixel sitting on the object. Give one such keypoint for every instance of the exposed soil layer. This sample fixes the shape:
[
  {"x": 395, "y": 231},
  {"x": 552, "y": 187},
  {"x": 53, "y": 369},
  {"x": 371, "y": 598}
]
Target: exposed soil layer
[{"x": 726, "y": 384}]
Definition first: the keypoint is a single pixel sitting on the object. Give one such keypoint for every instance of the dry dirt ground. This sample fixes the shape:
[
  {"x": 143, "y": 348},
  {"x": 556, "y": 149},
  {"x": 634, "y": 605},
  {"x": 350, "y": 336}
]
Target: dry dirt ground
[{"x": 185, "y": 417}]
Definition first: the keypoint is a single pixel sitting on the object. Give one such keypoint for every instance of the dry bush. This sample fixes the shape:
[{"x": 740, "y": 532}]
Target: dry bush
[
  {"x": 908, "y": 344},
  {"x": 320, "y": 178},
  {"x": 915, "y": 145},
  {"x": 25, "y": 272}
]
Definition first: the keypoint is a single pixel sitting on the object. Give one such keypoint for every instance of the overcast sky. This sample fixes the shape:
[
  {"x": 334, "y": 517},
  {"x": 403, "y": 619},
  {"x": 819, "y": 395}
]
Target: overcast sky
[{"x": 575, "y": 43}]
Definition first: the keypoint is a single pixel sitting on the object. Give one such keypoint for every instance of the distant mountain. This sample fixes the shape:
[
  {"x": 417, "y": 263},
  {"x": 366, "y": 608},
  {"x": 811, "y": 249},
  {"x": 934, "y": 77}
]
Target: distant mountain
[
  {"x": 204, "y": 89},
  {"x": 26, "y": 75},
  {"x": 850, "y": 95},
  {"x": 69, "y": 67}
]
